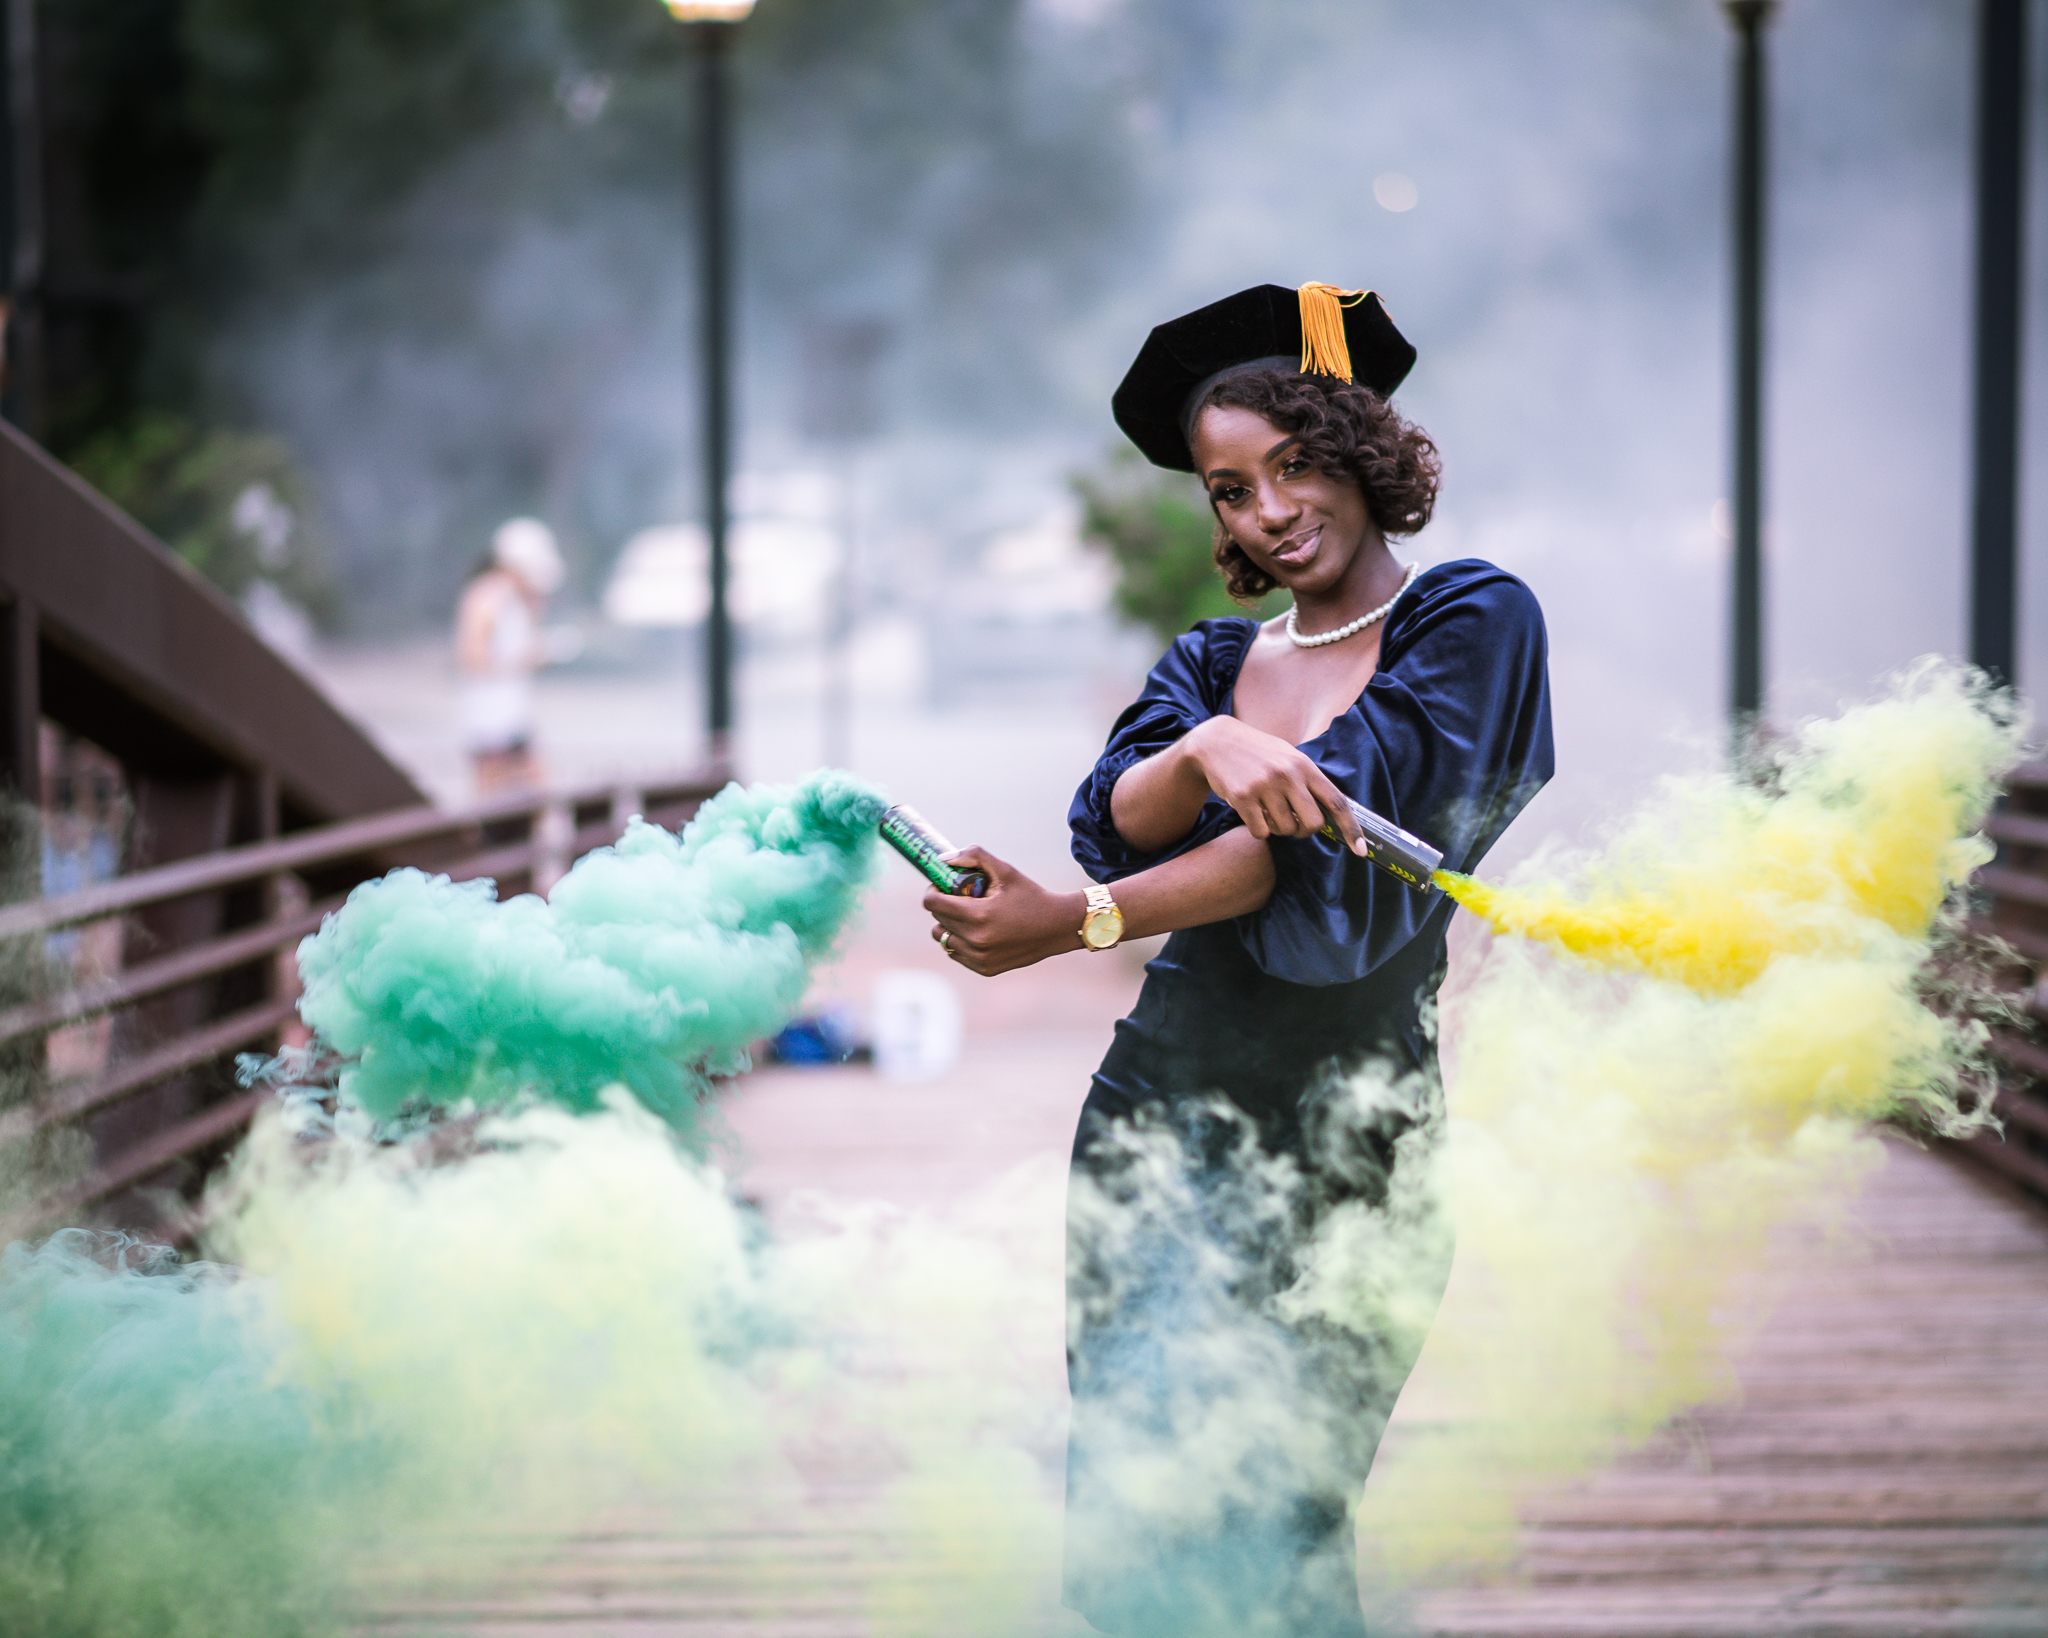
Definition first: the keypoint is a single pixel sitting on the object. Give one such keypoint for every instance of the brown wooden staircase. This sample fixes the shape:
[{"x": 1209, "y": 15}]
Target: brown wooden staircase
[{"x": 136, "y": 698}]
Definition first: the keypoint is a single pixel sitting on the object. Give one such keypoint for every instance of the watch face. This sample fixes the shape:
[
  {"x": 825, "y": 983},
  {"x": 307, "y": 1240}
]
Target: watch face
[{"x": 1102, "y": 928}]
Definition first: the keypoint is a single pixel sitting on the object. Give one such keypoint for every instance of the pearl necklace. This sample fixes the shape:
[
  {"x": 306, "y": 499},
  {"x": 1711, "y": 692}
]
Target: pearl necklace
[{"x": 1358, "y": 625}]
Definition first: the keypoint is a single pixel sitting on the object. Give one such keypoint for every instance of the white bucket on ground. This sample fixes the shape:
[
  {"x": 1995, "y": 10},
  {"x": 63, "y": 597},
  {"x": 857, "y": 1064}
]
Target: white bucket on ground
[{"x": 918, "y": 1025}]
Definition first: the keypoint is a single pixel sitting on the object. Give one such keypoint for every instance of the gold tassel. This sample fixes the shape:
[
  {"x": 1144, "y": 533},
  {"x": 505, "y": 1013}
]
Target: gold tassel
[{"x": 1323, "y": 347}]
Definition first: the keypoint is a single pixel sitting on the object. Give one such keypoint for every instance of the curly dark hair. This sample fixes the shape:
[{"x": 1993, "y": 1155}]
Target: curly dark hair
[{"x": 1349, "y": 432}]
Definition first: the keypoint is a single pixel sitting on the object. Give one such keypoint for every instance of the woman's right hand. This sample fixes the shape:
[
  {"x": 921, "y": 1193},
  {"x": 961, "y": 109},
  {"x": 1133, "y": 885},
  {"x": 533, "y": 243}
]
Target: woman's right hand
[
  {"x": 1275, "y": 788},
  {"x": 1014, "y": 923}
]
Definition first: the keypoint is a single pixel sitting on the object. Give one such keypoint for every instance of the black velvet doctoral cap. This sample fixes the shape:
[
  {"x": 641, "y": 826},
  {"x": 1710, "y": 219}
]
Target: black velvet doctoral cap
[{"x": 1262, "y": 325}]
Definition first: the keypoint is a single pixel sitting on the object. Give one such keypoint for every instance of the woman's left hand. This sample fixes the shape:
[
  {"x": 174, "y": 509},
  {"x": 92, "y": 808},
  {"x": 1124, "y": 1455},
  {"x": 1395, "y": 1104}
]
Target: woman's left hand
[{"x": 1015, "y": 923}]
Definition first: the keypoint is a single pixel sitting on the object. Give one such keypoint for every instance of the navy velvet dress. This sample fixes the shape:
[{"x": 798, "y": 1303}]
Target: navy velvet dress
[{"x": 1240, "y": 1032}]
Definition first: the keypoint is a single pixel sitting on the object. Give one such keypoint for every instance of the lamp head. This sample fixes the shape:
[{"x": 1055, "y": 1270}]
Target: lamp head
[{"x": 710, "y": 11}]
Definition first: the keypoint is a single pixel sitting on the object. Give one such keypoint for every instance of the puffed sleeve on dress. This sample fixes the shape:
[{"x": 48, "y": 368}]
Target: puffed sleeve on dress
[
  {"x": 1190, "y": 684},
  {"x": 1449, "y": 740}
]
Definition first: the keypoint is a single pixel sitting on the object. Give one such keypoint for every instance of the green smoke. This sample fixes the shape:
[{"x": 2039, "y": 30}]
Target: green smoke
[
  {"x": 156, "y": 1476},
  {"x": 653, "y": 964},
  {"x": 184, "y": 1452}
]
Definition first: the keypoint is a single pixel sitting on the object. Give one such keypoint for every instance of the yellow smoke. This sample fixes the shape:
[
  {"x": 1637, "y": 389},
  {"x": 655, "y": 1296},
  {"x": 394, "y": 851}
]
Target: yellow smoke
[
  {"x": 575, "y": 1326},
  {"x": 1864, "y": 835},
  {"x": 1738, "y": 1000}
]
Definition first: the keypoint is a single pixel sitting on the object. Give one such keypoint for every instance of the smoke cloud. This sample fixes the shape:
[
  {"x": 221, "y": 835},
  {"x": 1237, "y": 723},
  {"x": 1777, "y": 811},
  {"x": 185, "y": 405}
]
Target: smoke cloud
[
  {"x": 438, "y": 1349},
  {"x": 437, "y": 1342},
  {"x": 1740, "y": 990},
  {"x": 652, "y": 964}
]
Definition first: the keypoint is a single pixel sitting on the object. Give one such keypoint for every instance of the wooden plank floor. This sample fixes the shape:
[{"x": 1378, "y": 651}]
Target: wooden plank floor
[{"x": 1885, "y": 1473}]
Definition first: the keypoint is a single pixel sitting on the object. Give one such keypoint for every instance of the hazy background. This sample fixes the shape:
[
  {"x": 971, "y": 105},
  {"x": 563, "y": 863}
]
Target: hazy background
[
  {"x": 434, "y": 255},
  {"x": 407, "y": 267}
]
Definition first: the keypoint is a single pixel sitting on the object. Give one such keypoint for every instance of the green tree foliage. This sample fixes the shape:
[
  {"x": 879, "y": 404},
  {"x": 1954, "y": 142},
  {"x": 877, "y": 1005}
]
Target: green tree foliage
[
  {"x": 1157, "y": 529},
  {"x": 442, "y": 247},
  {"x": 231, "y": 504}
]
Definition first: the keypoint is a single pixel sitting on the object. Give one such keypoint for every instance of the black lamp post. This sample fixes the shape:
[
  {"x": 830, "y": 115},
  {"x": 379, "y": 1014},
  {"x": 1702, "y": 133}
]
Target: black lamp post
[
  {"x": 1747, "y": 199},
  {"x": 712, "y": 25},
  {"x": 2003, "y": 62}
]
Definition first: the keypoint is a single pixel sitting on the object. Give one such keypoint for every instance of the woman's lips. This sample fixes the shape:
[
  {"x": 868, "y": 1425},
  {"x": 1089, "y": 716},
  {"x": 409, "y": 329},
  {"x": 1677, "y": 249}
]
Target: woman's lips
[{"x": 1298, "y": 549}]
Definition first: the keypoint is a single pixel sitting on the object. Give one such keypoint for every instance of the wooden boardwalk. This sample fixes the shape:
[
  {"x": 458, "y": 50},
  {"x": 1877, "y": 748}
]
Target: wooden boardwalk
[
  {"x": 1885, "y": 1472},
  {"x": 1885, "y": 1476}
]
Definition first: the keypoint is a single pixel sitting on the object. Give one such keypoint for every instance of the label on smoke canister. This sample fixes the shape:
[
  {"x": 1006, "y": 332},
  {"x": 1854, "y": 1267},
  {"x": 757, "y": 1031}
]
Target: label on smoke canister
[
  {"x": 1390, "y": 847},
  {"x": 910, "y": 834}
]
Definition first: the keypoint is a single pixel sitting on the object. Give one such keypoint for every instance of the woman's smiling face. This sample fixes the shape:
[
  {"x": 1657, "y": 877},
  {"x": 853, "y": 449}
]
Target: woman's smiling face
[{"x": 1302, "y": 526}]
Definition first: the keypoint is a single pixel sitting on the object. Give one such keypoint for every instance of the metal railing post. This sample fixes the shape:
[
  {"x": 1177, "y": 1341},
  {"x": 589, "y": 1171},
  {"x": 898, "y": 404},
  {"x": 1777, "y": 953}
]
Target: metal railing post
[
  {"x": 2003, "y": 64},
  {"x": 714, "y": 226},
  {"x": 1748, "y": 219}
]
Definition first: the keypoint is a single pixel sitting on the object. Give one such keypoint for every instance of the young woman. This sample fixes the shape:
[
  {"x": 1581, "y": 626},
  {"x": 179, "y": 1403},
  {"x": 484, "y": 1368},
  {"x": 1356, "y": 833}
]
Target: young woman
[
  {"x": 499, "y": 646},
  {"x": 1292, "y": 964}
]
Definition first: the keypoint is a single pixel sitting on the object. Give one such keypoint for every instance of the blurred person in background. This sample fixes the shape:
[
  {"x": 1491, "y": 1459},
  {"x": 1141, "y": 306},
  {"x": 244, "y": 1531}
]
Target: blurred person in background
[
  {"x": 499, "y": 645},
  {"x": 1223, "y": 1427}
]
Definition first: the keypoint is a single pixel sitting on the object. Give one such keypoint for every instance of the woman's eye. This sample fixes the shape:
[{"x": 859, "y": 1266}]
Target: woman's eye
[
  {"x": 1231, "y": 494},
  {"x": 1294, "y": 466}
]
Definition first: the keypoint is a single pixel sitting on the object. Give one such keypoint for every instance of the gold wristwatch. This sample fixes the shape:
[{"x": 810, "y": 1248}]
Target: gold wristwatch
[{"x": 1103, "y": 925}]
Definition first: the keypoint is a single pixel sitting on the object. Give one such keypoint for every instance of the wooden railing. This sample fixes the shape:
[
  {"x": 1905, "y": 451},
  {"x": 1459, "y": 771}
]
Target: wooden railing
[
  {"x": 244, "y": 979},
  {"x": 2013, "y": 905},
  {"x": 110, "y": 635}
]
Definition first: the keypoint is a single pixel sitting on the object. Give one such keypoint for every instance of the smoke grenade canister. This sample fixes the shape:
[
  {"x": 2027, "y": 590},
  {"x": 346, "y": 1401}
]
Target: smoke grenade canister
[
  {"x": 1390, "y": 847},
  {"x": 911, "y": 834}
]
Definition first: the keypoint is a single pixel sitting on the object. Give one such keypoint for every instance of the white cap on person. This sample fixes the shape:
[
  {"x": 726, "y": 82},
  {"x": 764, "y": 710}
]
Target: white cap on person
[{"x": 526, "y": 547}]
